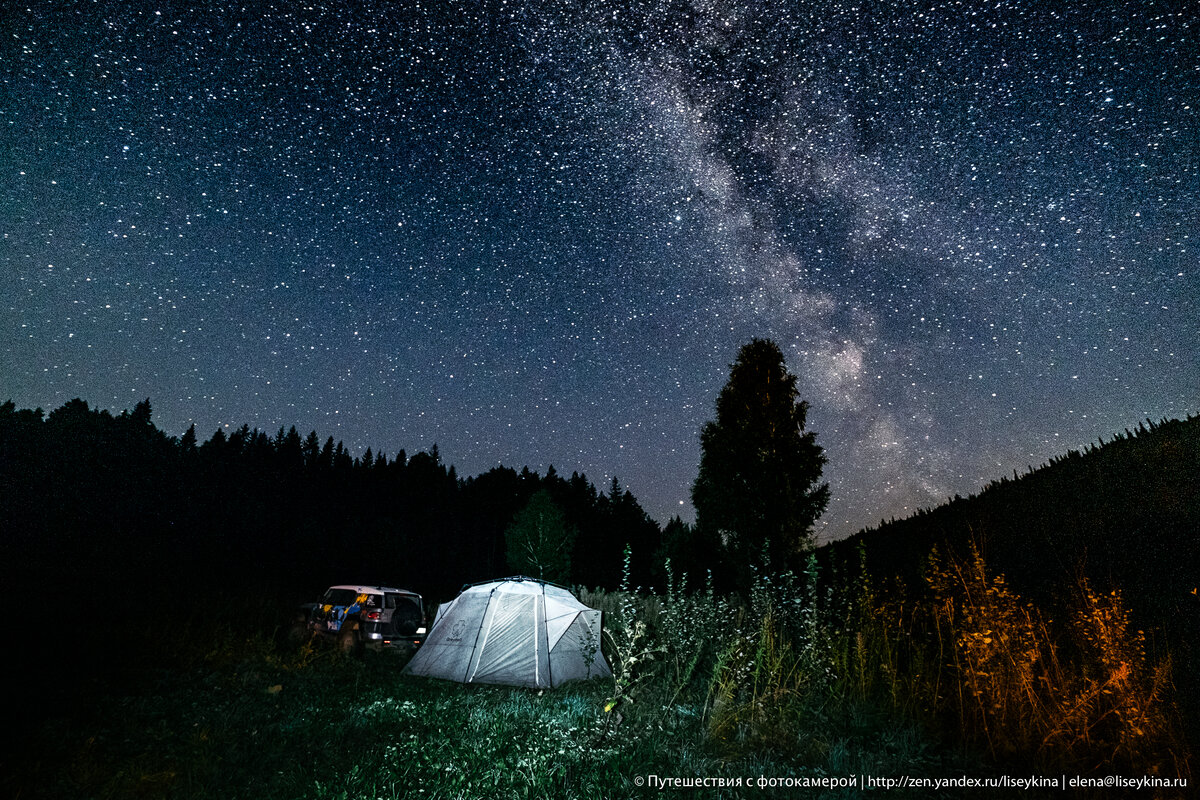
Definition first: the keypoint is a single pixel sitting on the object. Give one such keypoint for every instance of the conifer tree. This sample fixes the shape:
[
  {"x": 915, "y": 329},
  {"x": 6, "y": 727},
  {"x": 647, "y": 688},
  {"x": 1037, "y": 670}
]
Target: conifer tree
[
  {"x": 312, "y": 450},
  {"x": 187, "y": 444},
  {"x": 759, "y": 485},
  {"x": 539, "y": 540}
]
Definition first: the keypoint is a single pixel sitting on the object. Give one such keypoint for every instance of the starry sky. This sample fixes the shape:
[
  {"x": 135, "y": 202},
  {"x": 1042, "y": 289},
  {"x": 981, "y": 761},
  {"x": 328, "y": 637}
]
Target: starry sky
[{"x": 537, "y": 233}]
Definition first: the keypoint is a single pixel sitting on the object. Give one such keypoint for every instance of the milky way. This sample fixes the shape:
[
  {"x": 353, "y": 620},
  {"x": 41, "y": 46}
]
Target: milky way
[{"x": 537, "y": 233}]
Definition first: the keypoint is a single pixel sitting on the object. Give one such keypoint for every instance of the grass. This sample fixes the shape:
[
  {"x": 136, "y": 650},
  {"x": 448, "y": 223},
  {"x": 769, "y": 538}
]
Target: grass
[
  {"x": 219, "y": 709},
  {"x": 796, "y": 683},
  {"x": 356, "y": 728}
]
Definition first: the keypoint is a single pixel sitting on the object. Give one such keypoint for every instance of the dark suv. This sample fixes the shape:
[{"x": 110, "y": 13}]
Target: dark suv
[{"x": 371, "y": 616}]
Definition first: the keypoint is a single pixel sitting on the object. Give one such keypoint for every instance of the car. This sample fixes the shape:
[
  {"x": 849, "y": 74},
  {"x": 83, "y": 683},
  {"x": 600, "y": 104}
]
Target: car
[{"x": 357, "y": 616}]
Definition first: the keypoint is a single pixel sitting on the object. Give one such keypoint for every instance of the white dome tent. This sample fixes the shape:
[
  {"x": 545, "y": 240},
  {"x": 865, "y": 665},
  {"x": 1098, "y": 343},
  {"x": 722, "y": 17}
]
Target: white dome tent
[{"x": 516, "y": 631}]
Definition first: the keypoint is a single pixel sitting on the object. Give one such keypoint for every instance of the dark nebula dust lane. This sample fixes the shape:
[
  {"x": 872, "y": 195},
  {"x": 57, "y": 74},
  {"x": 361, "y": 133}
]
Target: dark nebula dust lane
[{"x": 538, "y": 232}]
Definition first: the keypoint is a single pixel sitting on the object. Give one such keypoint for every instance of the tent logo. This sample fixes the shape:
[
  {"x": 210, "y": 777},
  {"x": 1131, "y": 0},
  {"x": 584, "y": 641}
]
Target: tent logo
[{"x": 456, "y": 632}]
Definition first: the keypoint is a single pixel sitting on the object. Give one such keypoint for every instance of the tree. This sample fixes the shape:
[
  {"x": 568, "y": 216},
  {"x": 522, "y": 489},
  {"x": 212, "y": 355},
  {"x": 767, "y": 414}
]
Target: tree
[
  {"x": 187, "y": 444},
  {"x": 693, "y": 555},
  {"x": 758, "y": 487},
  {"x": 142, "y": 413},
  {"x": 290, "y": 448},
  {"x": 312, "y": 450},
  {"x": 539, "y": 541}
]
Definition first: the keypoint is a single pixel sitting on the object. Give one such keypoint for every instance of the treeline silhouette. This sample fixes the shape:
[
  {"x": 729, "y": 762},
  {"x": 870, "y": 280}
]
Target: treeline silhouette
[
  {"x": 110, "y": 504},
  {"x": 1122, "y": 511}
]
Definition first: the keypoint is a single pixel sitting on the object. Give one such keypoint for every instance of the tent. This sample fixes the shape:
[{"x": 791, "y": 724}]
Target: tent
[{"x": 516, "y": 631}]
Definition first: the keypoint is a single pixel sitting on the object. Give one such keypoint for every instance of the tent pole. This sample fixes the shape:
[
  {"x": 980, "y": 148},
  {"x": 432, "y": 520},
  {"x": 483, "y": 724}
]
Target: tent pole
[
  {"x": 475, "y": 653},
  {"x": 546, "y": 633}
]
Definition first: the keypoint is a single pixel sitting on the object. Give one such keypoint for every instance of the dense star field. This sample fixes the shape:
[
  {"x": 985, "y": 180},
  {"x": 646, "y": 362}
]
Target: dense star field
[{"x": 538, "y": 232}]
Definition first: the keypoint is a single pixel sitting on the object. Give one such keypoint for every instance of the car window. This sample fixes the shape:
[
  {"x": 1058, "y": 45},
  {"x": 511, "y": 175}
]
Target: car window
[
  {"x": 403, "y": 601},
  {"x": 341, "y": 597},
  {"x": 407, "y": 616},
  {"x": 408, "y": 605}
]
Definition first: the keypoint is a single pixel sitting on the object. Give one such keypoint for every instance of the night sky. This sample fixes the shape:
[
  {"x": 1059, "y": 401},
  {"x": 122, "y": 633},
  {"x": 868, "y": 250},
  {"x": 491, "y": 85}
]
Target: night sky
[{"x": 538, "y": 232}]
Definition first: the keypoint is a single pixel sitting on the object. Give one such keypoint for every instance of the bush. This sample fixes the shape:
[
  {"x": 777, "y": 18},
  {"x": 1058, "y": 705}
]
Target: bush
[{"x": 986, "y": 668}]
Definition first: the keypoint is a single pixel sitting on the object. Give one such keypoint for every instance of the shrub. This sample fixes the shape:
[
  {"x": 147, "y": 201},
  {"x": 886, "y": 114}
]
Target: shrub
[
  {"x": 1121, "y": 706},
  {"x": 991, "y": 670}
]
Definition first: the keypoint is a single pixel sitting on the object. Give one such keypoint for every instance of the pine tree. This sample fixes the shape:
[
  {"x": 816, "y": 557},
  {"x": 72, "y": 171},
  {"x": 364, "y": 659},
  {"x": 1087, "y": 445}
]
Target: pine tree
[
  {"x": 312, "y": 450},
  {"x": 187, "y": 444},
  {"x": 290, "y": 448},
  {"x": 758, "y": 487},
  {"x": 142, "y": 413}
]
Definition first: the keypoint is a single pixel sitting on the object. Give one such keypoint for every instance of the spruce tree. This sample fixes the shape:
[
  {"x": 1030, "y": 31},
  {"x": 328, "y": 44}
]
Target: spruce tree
[
  {"x": 187, "y": 444},
  {"x": 759, "y": 486},
  {"x": 312, "y": 450}
]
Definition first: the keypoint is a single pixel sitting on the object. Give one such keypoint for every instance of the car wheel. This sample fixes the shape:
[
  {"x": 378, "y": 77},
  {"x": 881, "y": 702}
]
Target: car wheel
[{"x": 348, "y": 637}]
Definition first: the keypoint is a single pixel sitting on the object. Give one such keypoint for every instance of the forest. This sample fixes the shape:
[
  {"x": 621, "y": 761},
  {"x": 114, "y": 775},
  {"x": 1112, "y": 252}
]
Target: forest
[
  {"x": 112, "y": 503},
  {"x": 1045, "y": 624}
]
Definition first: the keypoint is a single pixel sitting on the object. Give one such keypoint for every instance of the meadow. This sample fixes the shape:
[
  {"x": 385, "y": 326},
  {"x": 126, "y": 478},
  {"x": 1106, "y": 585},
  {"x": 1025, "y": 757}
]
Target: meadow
[{"x": 806, "y": 683}]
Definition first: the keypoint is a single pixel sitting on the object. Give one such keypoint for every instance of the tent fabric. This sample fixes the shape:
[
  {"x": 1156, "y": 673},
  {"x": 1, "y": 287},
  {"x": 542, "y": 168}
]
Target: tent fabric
[{"x": 516, "y": 632}]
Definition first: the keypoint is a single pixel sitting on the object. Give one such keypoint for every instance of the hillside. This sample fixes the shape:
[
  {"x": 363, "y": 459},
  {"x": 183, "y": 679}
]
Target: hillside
[
  {"x": 1123, "y": 514},
  {"x": 1124, "y": 511}
]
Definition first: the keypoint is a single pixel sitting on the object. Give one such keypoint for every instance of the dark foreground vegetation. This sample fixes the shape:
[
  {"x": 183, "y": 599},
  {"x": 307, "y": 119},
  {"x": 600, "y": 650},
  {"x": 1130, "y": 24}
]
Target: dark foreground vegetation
[
  {"x": 1042, "y": 628},
  {"x": 225, "y": 711},
  {"x": 801, "y": 684}
]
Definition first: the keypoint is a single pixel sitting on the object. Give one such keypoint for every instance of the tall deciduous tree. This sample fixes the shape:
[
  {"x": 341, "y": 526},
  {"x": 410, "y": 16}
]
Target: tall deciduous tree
[
  {"x": 759, "y": 485},
  {"x": 539, "y": 541}
]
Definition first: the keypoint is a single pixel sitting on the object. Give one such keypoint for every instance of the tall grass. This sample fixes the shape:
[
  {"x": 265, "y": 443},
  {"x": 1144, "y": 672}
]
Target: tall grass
[
  {"x": 753, "y": 684},
  {"x": 981, "y": 665},
  {"x": 810, "y": 675},
  {"x": 772, "y": 679}
]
